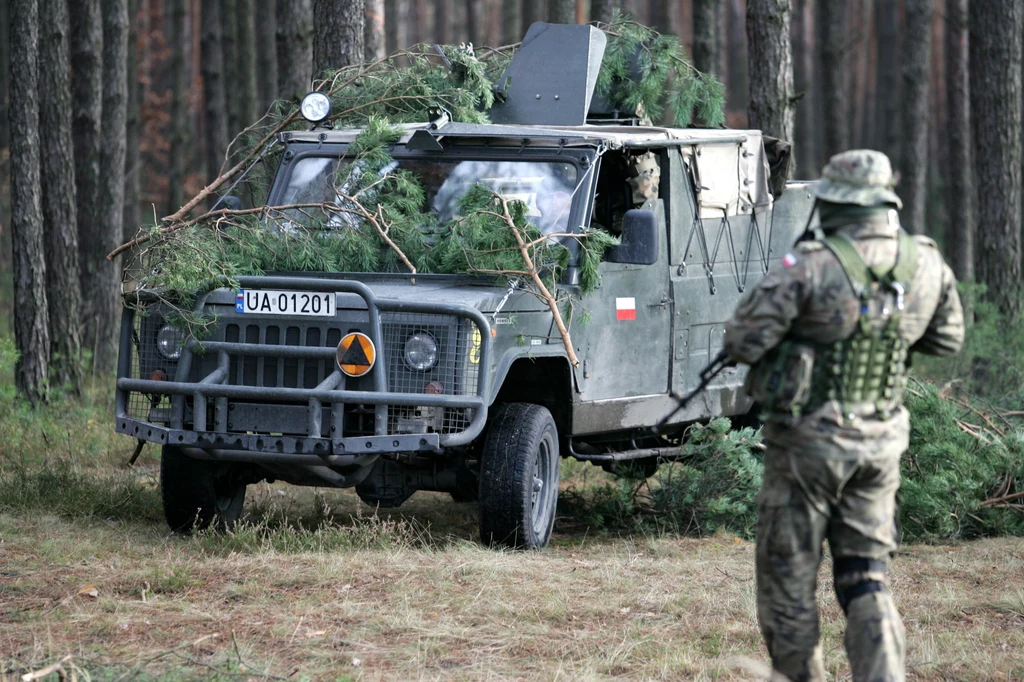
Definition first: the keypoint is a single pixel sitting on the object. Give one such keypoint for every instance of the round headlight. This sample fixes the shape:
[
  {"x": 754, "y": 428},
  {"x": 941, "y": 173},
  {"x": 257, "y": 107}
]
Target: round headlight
[
  {"x": 315, "y": 107},
  {"x": 169, "y": 342},
  {"x": 421, "y": 351}
]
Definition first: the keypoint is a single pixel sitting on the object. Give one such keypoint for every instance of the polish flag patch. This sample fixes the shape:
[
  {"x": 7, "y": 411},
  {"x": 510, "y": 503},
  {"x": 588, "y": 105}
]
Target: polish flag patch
[
  {"x": 625, "y": 308},
  {"x": 789, "y": 260}
]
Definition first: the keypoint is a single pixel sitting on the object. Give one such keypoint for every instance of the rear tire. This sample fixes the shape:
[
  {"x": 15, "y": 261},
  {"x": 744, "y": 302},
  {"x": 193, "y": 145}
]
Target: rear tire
[
  {"x": 519, "y": 470},
  {"x": 199, "y": 492}
]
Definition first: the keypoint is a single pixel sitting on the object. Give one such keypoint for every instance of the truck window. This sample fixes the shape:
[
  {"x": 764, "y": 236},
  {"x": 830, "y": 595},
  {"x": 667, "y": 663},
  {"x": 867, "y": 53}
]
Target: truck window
[{"x": 547, "y": 188}]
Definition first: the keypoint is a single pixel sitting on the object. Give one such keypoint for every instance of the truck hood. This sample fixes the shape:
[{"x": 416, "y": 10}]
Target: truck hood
[{"x": 480, "y": 293}]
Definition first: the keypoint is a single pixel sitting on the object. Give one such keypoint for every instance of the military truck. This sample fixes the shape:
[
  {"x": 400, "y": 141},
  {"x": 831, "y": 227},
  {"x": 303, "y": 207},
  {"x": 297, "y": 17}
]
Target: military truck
[{"x": 392, "y": 384}]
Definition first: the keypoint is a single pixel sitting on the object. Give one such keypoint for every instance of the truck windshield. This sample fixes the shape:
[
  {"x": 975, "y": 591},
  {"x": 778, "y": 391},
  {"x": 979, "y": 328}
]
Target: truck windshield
[{"x": 546, "y": 187}]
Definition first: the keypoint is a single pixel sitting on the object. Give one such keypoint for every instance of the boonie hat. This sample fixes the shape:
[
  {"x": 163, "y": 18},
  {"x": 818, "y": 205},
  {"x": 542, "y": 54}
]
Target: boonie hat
[{"x": 859, "y": 176}]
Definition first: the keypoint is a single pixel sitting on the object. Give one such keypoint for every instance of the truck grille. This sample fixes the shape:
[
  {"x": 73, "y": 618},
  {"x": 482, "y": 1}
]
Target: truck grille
[{"x": 456, "y": 371}]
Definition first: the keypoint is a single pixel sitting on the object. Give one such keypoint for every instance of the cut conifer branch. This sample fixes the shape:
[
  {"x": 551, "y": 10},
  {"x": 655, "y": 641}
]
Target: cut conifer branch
[{"x": 542, "y": 289}]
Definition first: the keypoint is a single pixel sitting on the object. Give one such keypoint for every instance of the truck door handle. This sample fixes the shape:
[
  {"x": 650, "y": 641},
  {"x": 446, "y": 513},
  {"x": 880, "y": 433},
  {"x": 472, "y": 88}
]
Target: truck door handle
[{"x": 662, "y": 304}]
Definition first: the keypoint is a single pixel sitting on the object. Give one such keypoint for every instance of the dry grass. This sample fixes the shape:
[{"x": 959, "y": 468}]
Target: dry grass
[{"x": 312, "y": 589}]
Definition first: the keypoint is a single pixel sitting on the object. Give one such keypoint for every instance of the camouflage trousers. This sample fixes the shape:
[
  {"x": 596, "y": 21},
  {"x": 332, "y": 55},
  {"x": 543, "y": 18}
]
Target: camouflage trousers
[{"x": 818, "y": 486}]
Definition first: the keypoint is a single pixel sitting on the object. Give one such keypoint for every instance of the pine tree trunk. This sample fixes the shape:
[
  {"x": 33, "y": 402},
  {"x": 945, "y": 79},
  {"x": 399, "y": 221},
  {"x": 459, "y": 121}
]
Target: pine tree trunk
[
  {"x": 995, "y": 81},
  {"x": 5, "y": 71},
  {"x": 294, "y": 48},
  {"x": 857, "y": 54},
  {"x": 247, "y": 92},
  {"x": 373, "y": 31},
  {"x": 511, "y": 22},
  {"x": 87, "y": 113},
  {"x": 132, "y": 159},
  {"x": 803, "y": 132},
  {"x": 889, "y": 104},
  {"x": 603, "y": 10},
  {"x": 111, "y": 190},
  {"x": 391, "y": 26},
  {"x": 442, "y": 21},
  {"x": 215, "y": 123},
  {"x": 266, "y": 48},
  {"x": 832, "y": 15},
  {"x": 229, "y": 48},
  {"x": 337, "y": 34},
  {"x": 736, "y": 85},
  {"x": 178, "y": 122},
  {"x": 960, "y": 197},
  {"x": 58, "y": 182},
  {"x": 917, "y": 60},
  {"x": 31, "y": 332},
  {"x": 657, "y": 12},
  {"x": 475, "y": 22},
  {"x": 533, "y": 11},
  {"x": 770, "y": 65},
  {"x": 705, "y": 36}
]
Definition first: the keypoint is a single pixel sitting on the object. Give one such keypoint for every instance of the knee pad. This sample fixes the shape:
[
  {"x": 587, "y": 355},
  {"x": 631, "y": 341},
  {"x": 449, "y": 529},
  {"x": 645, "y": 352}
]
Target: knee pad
[{"x": 842, "y": 567}]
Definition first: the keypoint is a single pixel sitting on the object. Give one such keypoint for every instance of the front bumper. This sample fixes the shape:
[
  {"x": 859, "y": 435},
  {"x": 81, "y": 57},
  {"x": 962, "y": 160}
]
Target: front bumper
[{"x": 198, "y": 407}]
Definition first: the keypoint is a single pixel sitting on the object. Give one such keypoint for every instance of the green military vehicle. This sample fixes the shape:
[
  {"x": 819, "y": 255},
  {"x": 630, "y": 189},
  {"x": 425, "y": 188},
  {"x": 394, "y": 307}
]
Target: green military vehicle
[{"x": 391, "y": 384}]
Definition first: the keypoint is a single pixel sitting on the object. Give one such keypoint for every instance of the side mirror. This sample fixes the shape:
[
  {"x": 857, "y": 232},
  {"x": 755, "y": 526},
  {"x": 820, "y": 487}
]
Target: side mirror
[
  {"x": 639, "y": 243},
  {"x": 232, "y": 203}
]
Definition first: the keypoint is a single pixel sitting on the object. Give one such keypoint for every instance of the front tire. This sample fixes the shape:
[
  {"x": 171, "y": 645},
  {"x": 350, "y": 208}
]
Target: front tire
[
  {"x": 199, "y": 492},
  {"x": 519, "y": 471}
]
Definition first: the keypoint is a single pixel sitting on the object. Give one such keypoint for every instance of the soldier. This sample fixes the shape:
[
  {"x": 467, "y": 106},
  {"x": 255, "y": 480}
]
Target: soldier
[{"x": 827, "y": 333}]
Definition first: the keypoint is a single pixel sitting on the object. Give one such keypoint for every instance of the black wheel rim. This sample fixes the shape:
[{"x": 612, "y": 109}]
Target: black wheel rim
[{"x": 543, "y": 487}]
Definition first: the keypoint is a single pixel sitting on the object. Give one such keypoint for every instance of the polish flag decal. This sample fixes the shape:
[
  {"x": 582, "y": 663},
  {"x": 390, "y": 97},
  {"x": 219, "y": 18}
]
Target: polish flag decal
[{"x": 625, "y": 308}]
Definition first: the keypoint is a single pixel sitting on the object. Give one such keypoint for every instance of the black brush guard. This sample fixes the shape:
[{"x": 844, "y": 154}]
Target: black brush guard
[{"x": 313, "y": 448}]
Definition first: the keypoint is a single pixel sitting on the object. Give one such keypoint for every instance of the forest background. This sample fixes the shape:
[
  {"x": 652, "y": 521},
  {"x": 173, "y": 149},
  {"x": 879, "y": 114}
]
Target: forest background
[{"x": 127, "y": 107}]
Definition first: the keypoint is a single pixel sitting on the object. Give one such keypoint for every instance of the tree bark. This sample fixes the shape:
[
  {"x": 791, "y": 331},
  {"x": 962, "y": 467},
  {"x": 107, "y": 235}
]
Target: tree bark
[
  {"x": 889, "y": 102},
  {"x": 736, "y": 85},
  {"x": 917, "y": 60},
  {"x": 391, "y": 23},
  {"x": 995, "y": 82},
  {"x": 803, "y": 133},
  {"x": 294, "y": 48},
  {"x": 832, "y": 15},
  {"x": 63, "y": 296},
  {"x": 111, "y": 190},
  {"x": 373, "y": 31},
  {"x": 475, "y": 27},
  {"x": 511, "y": 22},
  {"x": 533, "y": 11},
  {"x": 705, "y": 36},
  {"x": 602, "y": 10},
  {"x": 770, "y": 64},
  {"x": 95, "y": 272},
  {"x": 31, "y": 332},
  {"x": 248, "y": 93},
  {"x": 960, "y": 197},
  {"x": 215, "y": 110},
  {"x": 5, "y": 71},
  {"x": 442, "y": 21},
  {"x": 337, "y": 35},
  {"x": 859, "y": 14},
  {"x": 229, "y": 48},
  {"x": 658, "y": 19},
  {"x": 132, "y": 159},
  {"x": 266, "y": 49},
  {"x": 178, "y": 122}
]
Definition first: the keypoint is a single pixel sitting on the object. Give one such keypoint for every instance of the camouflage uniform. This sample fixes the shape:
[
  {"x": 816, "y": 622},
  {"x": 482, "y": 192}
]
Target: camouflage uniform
[{"x": 832, "y": 470}]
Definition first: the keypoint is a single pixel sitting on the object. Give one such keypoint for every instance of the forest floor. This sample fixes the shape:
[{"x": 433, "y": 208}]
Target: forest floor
[{"x": 315, "y": 587}]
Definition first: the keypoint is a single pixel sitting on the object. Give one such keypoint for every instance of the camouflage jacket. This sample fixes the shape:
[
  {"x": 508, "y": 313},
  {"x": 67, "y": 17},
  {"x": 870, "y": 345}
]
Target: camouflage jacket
[{"x": 807, "y": 296}]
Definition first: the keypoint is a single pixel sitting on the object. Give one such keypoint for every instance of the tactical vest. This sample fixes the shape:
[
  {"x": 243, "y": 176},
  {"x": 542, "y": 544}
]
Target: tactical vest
[{"x": 867, "y": 366}]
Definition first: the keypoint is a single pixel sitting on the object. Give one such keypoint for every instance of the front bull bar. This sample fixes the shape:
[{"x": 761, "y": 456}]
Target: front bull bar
[{"x": 332, "y": 390}]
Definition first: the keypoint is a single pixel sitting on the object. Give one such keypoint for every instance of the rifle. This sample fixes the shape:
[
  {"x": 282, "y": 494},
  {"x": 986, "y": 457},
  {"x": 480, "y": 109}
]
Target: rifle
[{"x": 721, "y": 362}]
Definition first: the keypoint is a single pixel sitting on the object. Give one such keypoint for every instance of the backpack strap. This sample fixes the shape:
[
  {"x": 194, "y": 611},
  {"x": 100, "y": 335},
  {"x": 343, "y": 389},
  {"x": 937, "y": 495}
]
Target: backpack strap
[{"x": 861, "y": 276}]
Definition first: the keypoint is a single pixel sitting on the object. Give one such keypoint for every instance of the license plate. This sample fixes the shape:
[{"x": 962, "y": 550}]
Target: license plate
[{"x": 265, "y": 302}]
